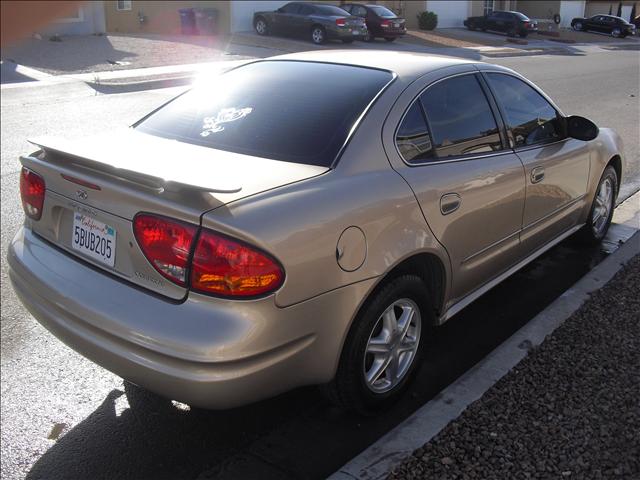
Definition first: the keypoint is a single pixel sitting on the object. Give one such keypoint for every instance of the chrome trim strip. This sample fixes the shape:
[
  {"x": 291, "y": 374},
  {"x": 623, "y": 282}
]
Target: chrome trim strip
[
  {"x": 456, "y": 307},
  {"x": 494, "y": 244},
  {"x": 556, "y": 211}
]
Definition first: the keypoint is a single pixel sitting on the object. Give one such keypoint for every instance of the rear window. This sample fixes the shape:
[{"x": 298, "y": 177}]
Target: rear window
[
  {"x": 299, "y": 112},
  {"x": 383, "y": 12},
  {"x": 521, "y": 16},
  {"x": 330, "y": 10}
]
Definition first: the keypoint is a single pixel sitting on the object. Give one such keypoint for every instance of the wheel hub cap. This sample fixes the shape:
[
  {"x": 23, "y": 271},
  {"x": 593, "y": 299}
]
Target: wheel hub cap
[
  {"x": 602, "y": 208},
  {"x": 392, "y": 346}
]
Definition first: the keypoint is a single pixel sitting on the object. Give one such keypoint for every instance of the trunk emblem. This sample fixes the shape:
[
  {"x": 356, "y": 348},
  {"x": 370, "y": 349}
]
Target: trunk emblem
[{"x": 82, "y": 194}]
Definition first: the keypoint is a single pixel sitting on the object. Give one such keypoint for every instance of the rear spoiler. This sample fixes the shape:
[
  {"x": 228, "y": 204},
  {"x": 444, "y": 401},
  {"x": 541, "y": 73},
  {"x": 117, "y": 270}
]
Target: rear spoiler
[{"x": 64, "y": 152}]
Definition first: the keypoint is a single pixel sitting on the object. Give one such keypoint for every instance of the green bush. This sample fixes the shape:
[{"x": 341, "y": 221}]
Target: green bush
[{"x": 427, "y": 20}]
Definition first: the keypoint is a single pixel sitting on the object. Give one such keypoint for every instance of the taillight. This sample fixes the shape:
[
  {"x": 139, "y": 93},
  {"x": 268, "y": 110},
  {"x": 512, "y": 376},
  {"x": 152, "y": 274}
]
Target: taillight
[
  {"x": 32, "y": 190},
  {"x": 526, "y": 24},
  {"x": 166, "y": 243},
  {"x": 385, "y": 24},
  {"x": 341, "y": 22},
  {"x": 225, "y": 267}
]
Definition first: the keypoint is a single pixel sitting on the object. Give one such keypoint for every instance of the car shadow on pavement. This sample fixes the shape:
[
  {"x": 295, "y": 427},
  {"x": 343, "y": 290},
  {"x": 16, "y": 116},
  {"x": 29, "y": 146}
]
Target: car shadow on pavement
[{"x": 297, "y": 434}]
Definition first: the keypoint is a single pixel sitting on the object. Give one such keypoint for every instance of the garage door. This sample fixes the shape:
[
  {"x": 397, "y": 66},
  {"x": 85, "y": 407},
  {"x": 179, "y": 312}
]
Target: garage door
[
  {"x": 570, "y": 10},
  {"x": 450, "y": 14}
]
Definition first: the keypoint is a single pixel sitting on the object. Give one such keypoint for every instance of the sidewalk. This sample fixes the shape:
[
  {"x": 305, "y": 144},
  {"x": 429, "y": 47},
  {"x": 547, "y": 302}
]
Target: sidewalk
[{"x": 568, "y": 410}]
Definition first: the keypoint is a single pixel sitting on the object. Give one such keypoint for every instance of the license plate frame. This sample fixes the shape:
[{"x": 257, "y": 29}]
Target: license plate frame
[{"x": 94, "y": 239}]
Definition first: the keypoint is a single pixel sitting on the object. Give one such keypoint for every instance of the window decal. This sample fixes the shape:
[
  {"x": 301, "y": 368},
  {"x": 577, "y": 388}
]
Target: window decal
[{"x": 215, "y": 124}]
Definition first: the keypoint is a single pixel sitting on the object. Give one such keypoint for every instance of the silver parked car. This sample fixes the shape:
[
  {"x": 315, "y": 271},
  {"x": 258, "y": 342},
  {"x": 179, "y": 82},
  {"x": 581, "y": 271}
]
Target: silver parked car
[{"x": 303, "y": 220}]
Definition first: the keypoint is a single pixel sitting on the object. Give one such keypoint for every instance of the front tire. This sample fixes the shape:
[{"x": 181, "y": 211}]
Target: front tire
[
  {"x": 602, "y": 207},
  {"x": 383, "y": 348},
  {"x": 261, "y": 26},
  {"x": 318, "y": 35},
  {"x": 616, "y": 33}
]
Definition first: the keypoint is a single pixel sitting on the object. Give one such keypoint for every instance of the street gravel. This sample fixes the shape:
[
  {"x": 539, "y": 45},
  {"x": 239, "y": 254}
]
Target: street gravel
[{"x": 570, "y": 409}]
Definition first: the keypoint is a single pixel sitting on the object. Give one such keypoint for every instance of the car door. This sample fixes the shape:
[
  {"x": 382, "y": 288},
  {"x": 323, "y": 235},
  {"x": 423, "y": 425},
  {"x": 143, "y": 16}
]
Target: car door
[
  {"x": 300, "y": 21},
  {"x": 595, "y": 24},
  {"x": 283, "y": 18},
  {"x": 556, "y": 167},
  {"x": 493, "y": 21},
  {"x": 469, "y": 184}
]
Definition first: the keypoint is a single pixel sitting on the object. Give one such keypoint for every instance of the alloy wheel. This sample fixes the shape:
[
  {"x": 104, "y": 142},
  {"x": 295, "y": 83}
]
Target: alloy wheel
[
  {"x": 602, "y": 208},
  {"x": 392, "y": 346},
  {"x": 317, "y": 35},
  {"x": 616, "y": 32},
  {"x": 261, "y": 27},
  {"x": 577, "y": 26}
]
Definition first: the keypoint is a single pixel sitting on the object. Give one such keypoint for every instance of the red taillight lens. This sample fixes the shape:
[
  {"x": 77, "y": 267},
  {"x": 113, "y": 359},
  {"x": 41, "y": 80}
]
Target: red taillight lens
[
  {"x": 32, "y": 190},
  {"x": 166, "y": 243},
  {"x": 341, "y": 22},
  {"x": 385, "y": 24},
  {"x": 225, "y": 267},
  {"x": 526, "y": 24}
]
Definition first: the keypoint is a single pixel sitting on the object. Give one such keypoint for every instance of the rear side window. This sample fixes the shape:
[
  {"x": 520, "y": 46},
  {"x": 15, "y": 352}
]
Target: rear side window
[
  {"x": 530, "y": 116},
  {"x": 291, "y": 8},
  {"x": 282, "y": 110},
  {"x": 412, "y": 138},
  {"x": 330, "y": 10},
  {"x": 460, "y": 118}
]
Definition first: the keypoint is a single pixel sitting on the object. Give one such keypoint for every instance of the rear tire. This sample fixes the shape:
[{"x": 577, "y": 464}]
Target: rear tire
[
  {"x": 318, "y": 35},
  {"x": 577, "y": 27},
  {"x": 616, "y": 33},
  {"x": 389, "y": 39},
  {"x": 384, "y": 347},
  {"x": 523, "y": 35},
  {"x": 347, "y": 40},
  {"x": 602, "y": 207}
]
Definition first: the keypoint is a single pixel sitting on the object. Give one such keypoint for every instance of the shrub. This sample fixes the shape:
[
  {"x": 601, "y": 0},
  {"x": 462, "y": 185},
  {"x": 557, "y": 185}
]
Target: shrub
[{"x": 427, "y": 20}]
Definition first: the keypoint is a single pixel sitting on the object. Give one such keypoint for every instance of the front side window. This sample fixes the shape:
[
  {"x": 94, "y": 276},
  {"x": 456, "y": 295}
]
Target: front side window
[
  {"x": 530, "y": 116},
  {"x": 282, "y": 110},
  {"x": 412, "y": 138},
  {"x": 460, "y": 118}
]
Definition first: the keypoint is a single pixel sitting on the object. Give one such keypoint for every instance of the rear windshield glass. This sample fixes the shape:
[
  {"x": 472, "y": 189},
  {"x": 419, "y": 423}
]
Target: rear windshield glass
[
  {"x": 298, "y": 112},
  {"x": 521, "y": 16},
  {"x": 383, "y": 12},
  {"x": 330, "y": 10}
]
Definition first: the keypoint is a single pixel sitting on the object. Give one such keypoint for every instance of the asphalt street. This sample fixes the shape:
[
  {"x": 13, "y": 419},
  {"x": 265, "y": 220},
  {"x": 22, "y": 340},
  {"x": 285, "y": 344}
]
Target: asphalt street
[{"x": 64, "y": 417}]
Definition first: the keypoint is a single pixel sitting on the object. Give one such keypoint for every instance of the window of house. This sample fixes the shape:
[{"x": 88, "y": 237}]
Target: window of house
[
  {"x": 123, "y": 5},
  {"x": 460, "y": 118},
  {"x": 487, "y": 7},
  {"x": 530, "y": 116}
]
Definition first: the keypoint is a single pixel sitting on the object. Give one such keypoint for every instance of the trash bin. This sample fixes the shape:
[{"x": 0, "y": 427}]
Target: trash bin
[
  {"x": 206, "y": 21},
  {"x": 187, "y": 21}
]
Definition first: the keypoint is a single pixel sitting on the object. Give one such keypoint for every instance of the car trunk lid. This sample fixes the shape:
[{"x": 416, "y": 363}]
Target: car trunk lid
[{"x": 101, "y": 183}]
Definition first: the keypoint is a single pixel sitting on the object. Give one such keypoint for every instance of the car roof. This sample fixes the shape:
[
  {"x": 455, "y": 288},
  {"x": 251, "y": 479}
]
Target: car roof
[{"x": 407, "y": 65}]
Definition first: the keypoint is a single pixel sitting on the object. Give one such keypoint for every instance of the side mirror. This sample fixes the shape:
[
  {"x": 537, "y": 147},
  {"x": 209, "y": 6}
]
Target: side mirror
[{"x": 580, "y": 128}]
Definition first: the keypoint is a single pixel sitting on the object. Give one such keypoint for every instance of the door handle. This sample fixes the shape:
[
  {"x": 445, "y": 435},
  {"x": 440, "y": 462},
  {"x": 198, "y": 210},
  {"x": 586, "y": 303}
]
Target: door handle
[
  {"x": 537, "y": 174},
  {"x": 449, "y": 203}
]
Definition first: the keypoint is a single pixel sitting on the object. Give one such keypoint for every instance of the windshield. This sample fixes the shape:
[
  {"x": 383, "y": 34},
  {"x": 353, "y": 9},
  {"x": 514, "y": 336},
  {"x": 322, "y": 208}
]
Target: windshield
[
  {"x": 383, "y": 12},
  {"x": 298, "y": 112}
]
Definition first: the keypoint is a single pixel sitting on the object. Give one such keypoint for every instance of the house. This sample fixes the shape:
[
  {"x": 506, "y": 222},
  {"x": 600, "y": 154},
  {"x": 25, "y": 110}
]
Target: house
[{"x": 136, "y": 16}]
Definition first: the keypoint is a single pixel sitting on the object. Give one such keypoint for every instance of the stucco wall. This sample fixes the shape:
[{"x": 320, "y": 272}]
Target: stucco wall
[
  {"x": 538, "y": 8},
  {"x": 594, "y": 8},
  {"x": 161, "y": 16},
  {"x": 91, "y": 19}
]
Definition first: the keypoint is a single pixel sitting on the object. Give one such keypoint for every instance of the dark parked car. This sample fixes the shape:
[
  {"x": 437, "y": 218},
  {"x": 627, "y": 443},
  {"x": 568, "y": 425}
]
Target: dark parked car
[
  {"x": 615, "y": 26},
  {"x": 381, "y": 22},
  {"x": 511, "y": 23},
  {"x": 319, "y": 22}
]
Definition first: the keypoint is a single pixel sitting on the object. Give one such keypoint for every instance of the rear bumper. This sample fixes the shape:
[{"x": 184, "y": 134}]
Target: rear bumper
[
  {"x": 206, "y": 352},
  {"x": 346, "y": 33}
]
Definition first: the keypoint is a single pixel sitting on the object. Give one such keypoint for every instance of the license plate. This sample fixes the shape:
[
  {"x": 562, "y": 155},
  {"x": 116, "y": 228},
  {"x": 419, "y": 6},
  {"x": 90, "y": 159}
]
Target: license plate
[
  {"x": 355, "y": 32},
  {"x": 396, "y": 25},
  {"x": 93, "y": 238}
]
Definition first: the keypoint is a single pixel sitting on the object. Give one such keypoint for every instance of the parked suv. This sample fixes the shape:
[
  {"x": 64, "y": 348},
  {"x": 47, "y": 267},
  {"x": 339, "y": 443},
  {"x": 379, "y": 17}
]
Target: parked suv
[
  {"x": 614, "y": 26},
  {"x": 318, "y": 22},
  {"x": 381, "y": 22},
  {"x": 511, "y": 23}
]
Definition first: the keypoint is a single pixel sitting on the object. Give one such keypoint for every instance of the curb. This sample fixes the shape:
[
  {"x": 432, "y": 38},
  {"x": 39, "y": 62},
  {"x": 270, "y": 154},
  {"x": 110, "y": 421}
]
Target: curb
[{"x": 381, "y": 457}]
